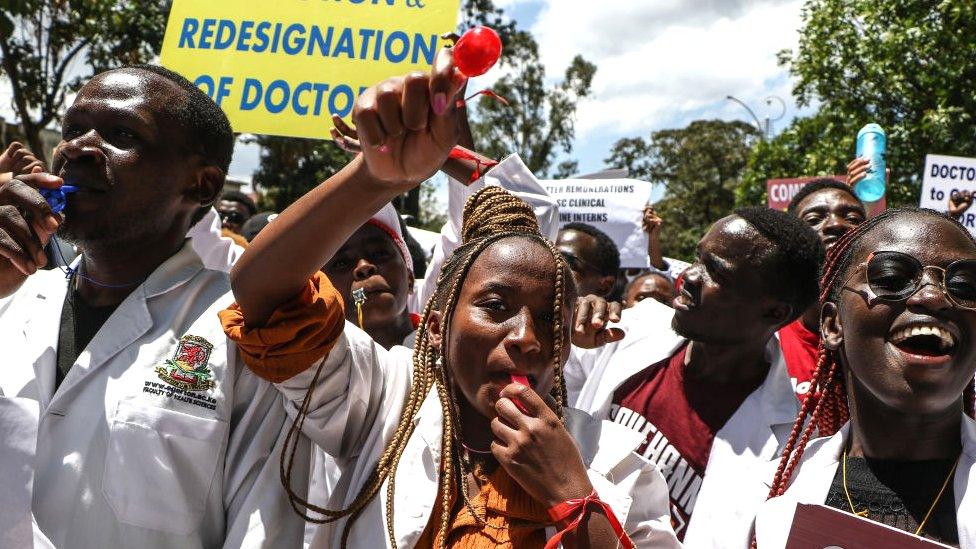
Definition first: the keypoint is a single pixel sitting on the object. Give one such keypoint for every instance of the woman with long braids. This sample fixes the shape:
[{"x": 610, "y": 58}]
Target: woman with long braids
[
  {"x": 895, "y": 375},
  {"x": 446, "y": 449}
]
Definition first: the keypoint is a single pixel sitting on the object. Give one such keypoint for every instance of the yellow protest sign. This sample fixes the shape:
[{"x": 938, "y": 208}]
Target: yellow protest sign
[{"x": 283, "y": 67}]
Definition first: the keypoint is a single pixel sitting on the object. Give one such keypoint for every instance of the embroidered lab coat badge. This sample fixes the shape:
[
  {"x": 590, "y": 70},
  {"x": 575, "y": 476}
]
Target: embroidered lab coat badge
[{"x": 189, "y": 369}]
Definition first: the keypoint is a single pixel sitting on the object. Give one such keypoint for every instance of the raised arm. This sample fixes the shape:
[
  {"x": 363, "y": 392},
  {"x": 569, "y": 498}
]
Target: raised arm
[
  {"x": 407, "y": 127},
  {"x": 652, "y": 226}
]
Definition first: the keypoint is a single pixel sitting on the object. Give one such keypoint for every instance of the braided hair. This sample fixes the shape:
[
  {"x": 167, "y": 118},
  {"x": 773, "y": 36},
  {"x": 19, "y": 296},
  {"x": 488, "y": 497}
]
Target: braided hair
[
  {"x": 490, "y": 215},
  {"x": 830, "y": 411}
]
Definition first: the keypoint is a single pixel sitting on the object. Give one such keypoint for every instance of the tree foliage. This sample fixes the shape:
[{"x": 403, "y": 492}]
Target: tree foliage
[
  {"x": 291, "y": 166},
  {"x": 817, "y": 145},
  {"x": 540, "y": 119},
  {"x": 904, "y": 64},
  {"x": 49, "y": 48},
  {"x": 700, "y": 167},
  {"x": 538, "y": 123}
]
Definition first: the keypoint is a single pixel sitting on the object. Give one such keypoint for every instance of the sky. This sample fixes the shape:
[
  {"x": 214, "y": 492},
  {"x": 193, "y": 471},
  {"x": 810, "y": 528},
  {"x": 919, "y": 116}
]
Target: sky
[
  {"x": 664, "y": 63},
  {"x": 660, "y": 64}
]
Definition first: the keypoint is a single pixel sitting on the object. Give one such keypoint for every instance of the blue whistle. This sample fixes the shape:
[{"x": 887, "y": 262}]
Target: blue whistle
[{"x": 57, "y": 199}]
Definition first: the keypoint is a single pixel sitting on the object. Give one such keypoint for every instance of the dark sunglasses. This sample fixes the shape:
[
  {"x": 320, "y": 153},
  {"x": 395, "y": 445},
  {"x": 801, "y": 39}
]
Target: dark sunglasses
[
  {"x": 577, "y": 264},
  {"x": 896, "y": 276},
  {"x": 232, "y": 217}
]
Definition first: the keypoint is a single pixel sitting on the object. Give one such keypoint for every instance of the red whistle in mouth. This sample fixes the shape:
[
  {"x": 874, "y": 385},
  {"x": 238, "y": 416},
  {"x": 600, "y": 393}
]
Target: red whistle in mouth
[
  {"x": 524, "y": 382},
  {"x": 477, "y": 51}
]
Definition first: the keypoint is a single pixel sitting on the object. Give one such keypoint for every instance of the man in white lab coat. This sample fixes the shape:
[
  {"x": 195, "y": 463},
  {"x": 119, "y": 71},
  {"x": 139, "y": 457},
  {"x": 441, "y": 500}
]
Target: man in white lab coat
[
  {"x": 151, "y": 432},
  {"x": 705, "y": 383}
]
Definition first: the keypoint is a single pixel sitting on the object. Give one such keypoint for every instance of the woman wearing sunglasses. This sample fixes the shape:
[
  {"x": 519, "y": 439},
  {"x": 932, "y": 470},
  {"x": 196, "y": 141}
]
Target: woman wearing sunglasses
[{"x": 895, "y": 375}]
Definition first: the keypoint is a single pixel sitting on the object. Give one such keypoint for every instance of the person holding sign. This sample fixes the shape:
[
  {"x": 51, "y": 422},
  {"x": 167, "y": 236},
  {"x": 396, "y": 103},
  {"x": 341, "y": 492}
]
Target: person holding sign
[
  {"x": 446, "y": 451},
  {"x": 895, "y": 376}
]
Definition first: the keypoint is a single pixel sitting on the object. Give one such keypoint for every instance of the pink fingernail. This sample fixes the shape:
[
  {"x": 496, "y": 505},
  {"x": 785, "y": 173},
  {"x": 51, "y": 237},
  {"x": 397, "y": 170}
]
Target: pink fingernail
[
  {"x": 384, "y": 148},
  {"x": 523, "y": 381},
  {"x": 440, "y": 104}
]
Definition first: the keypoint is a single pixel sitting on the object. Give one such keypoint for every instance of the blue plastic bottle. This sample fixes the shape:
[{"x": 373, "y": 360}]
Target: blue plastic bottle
[{"x": 872, "y": 143}]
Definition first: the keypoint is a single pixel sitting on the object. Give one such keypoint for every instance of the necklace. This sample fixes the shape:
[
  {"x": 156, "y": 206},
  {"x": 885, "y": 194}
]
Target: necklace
[
  {"x": 474, "y": 450},
  {"x": 921, "y": 525}
]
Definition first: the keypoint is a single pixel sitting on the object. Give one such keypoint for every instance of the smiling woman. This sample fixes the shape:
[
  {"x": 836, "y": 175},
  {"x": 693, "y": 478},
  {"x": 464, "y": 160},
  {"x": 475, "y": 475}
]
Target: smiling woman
[{"x": 897, "y": 360}]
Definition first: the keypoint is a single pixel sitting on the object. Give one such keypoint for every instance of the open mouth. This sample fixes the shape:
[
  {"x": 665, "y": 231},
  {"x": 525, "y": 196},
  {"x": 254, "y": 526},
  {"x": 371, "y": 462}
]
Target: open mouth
[
  {"x": 84, "y": 184},
  {"x": 684, "y": 300},
  {"x": 924, "y": 340},
  {"x": 505, "y": 378}
]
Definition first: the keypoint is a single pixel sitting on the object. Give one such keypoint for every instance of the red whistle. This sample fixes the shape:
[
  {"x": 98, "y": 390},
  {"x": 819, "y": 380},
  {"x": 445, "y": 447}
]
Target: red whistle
[
  {"x": 524, "y": 382},
  {"x": 477, "y": 51}
]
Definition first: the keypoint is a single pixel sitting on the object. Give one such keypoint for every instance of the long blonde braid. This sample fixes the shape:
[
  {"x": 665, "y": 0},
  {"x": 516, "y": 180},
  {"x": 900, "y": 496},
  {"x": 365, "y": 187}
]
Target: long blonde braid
[{"x": 489, "y": 215}]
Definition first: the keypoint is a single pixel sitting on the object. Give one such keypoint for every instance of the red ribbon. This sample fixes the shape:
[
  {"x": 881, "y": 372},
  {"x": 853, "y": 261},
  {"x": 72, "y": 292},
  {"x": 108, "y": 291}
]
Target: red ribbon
[
  {"x": 459, "y": 153},
  {"x": 577, "y": 508},
  {"x": 487, "y": 92}
]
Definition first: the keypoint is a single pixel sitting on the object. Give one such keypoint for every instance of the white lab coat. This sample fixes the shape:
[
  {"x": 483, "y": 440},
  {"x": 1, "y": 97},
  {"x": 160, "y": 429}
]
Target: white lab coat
[
  {"x": 815, "y": 473},
  {"x": 736, "y": 476},
  {"x": 123, "y": 462},
  {"x": 18, "y": 439},
  {"x": 216, "y": 251},
  {"x": 510, "y": 174},
  {"x": 356, "y": 407}
]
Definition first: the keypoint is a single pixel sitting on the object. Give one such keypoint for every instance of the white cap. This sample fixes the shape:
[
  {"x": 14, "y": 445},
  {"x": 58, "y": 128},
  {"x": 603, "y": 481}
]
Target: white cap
[{"x": 388, "y": 220}]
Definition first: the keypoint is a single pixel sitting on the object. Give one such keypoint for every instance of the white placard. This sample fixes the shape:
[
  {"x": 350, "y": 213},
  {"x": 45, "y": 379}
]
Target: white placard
[
  {"x": 944, "y": 174},
  {"x": 615, "y": 206}
]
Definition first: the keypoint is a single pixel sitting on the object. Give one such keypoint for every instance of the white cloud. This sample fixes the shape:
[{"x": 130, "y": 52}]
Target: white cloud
[{"x": 660, "y": 63}]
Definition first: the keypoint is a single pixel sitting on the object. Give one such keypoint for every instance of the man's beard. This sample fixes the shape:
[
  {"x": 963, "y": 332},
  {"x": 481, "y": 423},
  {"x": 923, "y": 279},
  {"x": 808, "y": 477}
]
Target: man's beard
[{"x": 111, "y": 232}]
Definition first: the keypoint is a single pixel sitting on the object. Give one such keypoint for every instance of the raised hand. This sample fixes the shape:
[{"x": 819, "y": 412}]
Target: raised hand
[
  {"x": 18, "y": 159},
  {"x": 26, "y": 221},
  {"x": 590, "y": 325},
  {"x": 407, "y": 125},
  {"x": 959, "y": 202},
  {"x": 857, "y": 170},
  {"x": 345, "y": 136},
  {"x": 651, "y": 222}
]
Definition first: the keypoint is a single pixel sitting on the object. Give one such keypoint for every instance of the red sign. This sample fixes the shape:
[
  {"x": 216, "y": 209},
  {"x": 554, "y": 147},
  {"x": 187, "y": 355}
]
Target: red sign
[{"x": 779, "y": 192}]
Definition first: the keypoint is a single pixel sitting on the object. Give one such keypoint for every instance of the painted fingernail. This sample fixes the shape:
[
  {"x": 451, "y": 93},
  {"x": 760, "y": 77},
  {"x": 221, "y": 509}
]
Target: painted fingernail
[
  {"x": 440, "y": 104},
  {"x": 384, "y": 148}
]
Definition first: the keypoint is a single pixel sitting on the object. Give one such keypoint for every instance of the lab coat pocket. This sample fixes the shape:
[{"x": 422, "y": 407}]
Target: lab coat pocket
[{"x": 160, "y": 466}]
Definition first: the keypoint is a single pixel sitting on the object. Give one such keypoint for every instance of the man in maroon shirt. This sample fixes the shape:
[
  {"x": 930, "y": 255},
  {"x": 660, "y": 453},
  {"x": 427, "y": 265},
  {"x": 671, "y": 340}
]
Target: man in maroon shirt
[
  {"x": 705, "y": 384},
  {"x": 830, "y": 208}
]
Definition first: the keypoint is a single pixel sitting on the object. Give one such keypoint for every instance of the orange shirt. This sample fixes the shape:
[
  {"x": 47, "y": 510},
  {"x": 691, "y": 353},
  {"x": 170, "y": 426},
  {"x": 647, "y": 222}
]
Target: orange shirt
[
  {"x": 299, "y": 332},
  {"x": 513, "y": 519}
]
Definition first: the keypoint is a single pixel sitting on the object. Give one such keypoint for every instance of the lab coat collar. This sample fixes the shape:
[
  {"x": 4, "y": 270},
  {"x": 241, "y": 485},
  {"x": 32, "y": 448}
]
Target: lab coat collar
[
  {"x": 965, "y": 479},
  {"x": 128, "y": 322},
  {"x": 41, "y": 330},
  {"x": 777, "y": 399},
  {"x": 813, "y": 478}
]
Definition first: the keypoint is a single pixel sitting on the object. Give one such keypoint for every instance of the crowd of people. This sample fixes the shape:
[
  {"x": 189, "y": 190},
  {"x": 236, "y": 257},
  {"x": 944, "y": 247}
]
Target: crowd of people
[{"x": 205, "y": 375}]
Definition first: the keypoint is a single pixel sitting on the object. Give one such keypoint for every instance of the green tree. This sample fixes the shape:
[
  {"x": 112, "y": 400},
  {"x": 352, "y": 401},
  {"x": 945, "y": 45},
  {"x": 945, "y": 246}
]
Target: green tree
[
  {"x": 904, "y": 64},
  {"x": 812, "y": 146},
  {"x": 538, "y": 123},
  {"x": 540, "y": 119},
  {"x": 291, "y": 166},
  {"x": 700, "y": 167},
  {"x": 49, "y": 48}
]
